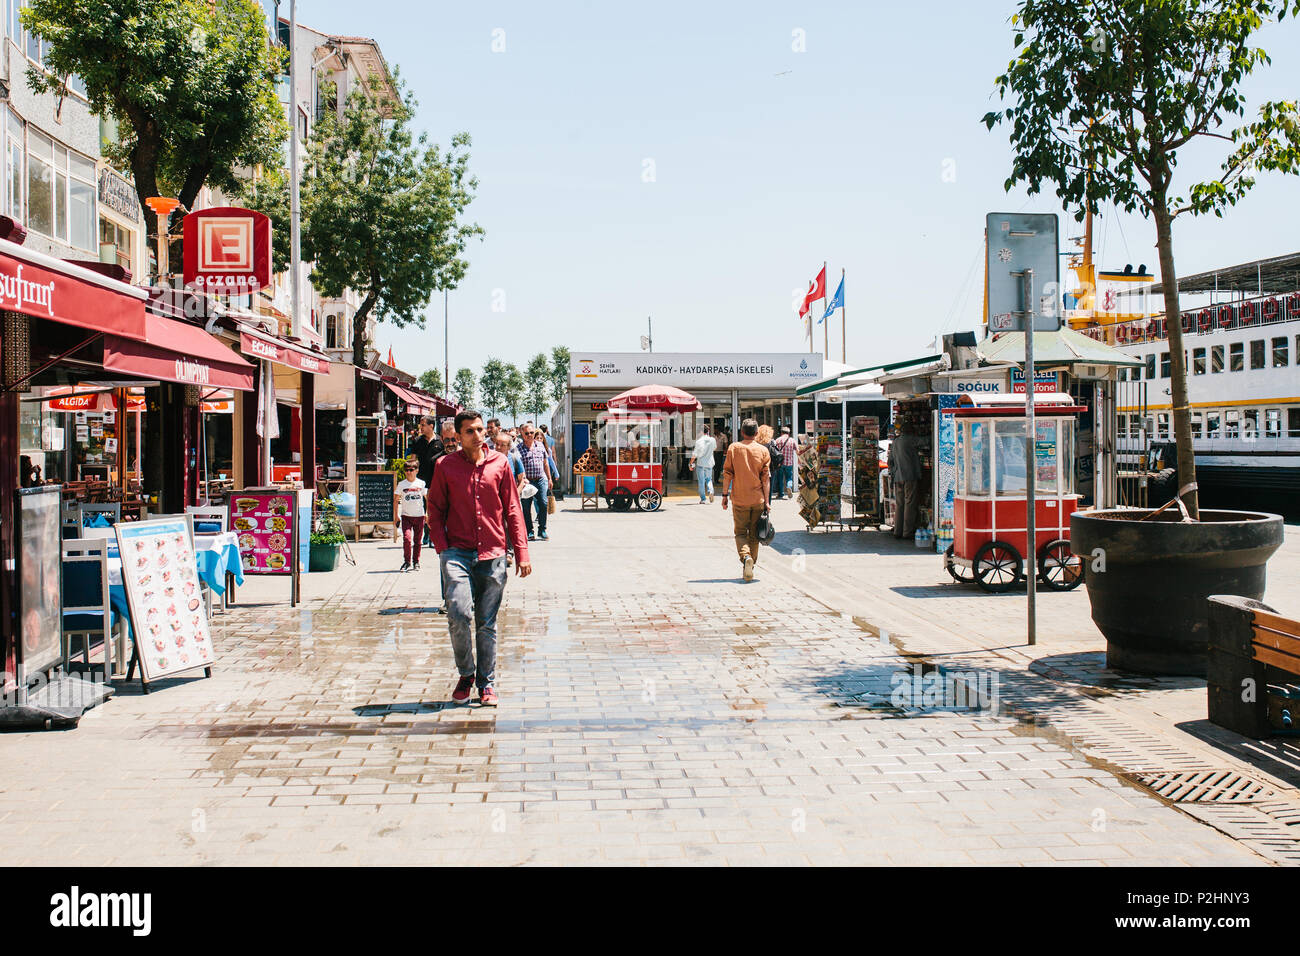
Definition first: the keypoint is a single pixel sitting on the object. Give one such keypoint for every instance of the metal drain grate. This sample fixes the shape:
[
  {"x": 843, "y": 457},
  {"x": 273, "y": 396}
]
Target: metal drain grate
[{"x": 1202, "y": 786}]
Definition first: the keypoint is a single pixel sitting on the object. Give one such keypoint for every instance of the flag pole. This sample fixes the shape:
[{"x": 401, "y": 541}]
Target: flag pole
[
  {"x": 844, "y": 335},
  {"x": 826, "y": 332}
]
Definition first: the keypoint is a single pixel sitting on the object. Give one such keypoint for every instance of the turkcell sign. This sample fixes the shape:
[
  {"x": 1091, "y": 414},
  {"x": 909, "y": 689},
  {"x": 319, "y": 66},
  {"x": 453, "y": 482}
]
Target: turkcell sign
[
  {"x": 227, "y": 250},
  {"x": 1017, "y": 242}
]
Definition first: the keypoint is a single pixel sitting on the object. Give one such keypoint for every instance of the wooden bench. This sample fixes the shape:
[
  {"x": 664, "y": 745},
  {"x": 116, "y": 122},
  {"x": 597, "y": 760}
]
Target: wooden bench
[{"x": 1253, "y": 668}]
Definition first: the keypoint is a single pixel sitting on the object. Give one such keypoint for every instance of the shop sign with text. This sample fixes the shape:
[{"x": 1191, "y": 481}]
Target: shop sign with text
[{"x": 227, "y": 250}]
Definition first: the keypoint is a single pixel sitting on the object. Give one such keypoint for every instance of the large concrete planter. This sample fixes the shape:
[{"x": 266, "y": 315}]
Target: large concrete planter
[{"x": 1150, "y": 602}]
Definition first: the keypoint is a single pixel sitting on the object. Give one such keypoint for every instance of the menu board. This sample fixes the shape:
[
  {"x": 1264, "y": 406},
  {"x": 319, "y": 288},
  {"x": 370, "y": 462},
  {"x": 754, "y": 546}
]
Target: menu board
[
  {"x": 161, "y": 578},
  {"x": 39, "y": 565},
  {"x": 375, "y": 497},
  {"x": 264, "y": 521}
]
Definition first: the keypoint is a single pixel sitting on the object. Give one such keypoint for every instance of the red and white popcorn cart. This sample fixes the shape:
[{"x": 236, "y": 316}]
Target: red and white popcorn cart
[
  {"x": 990, "y": 514},
  {"x": 634, "y": 444}
]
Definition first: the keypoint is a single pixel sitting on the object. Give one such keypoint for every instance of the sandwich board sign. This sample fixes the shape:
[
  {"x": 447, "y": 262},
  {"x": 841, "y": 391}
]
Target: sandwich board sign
[{"x": 1016, "y": 243}]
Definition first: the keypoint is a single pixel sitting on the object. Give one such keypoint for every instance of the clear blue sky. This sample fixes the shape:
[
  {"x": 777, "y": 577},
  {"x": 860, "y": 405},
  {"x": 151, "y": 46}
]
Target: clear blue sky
[{"x": 759, "y": 177}]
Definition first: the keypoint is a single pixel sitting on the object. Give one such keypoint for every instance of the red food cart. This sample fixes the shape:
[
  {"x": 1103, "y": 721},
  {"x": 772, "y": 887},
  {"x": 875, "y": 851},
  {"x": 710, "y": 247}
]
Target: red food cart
[
  {"x": 634, "y": 439},
  {"x": 990, "y": 517}
]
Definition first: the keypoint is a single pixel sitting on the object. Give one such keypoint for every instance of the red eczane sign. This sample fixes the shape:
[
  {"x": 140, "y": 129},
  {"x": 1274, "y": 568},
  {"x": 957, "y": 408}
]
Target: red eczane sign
[{"x": 227, "y": 250}]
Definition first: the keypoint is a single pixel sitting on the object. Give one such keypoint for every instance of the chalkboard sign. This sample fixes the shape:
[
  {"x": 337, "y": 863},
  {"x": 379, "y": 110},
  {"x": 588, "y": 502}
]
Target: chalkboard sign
[{"x": 375, "y": 497}]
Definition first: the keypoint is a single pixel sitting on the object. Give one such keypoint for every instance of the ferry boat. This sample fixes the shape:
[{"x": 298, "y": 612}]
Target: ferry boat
[{"x": 1243, "y": 380}]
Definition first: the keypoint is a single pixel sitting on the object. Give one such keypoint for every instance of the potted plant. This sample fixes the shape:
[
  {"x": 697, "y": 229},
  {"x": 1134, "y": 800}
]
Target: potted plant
[
  {"x": 1100, "y": 110},
  {"x": 326, "y": 538}
]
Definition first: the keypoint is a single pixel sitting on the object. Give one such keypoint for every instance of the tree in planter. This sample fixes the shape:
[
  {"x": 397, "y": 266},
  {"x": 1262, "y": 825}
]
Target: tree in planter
[
  {"x": 537, "y": 390},
  {"x": 512, "y": 391},
  {"x": 559, "y": 372},
  {"x": 492, "y": 385},
  {"x": 431, "y": 380},
  {"x": 190, "y": 83},
  {"x": 463, "y": 387},
  {"x": 382, "y": 211},
  {"x": 1106, "y": 93}
]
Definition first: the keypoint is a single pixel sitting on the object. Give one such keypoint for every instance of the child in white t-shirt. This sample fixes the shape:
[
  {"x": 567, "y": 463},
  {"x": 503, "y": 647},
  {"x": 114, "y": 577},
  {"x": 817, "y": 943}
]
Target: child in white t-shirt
[{"x": 409, "y": 501}]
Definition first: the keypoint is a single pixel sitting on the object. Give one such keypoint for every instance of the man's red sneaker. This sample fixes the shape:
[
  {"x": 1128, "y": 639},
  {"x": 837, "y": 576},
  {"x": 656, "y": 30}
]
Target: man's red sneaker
[
  {"x": 464, "y": 688},
  {"x": 487, "y": 696}
]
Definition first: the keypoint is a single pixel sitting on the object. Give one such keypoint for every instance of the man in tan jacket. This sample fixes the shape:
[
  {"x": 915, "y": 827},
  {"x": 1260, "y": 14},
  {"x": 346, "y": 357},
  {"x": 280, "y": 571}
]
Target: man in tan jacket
[{"x": 746, "y": 476}]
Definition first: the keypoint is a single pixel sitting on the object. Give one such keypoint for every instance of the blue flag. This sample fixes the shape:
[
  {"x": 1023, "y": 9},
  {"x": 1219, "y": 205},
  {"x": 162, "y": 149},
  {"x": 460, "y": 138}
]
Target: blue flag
[{"x": 836, "y": 302}]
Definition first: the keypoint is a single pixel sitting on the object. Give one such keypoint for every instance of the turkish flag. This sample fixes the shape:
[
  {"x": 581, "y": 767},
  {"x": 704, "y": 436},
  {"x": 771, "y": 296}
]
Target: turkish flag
[{"x": 816, "y": 290}]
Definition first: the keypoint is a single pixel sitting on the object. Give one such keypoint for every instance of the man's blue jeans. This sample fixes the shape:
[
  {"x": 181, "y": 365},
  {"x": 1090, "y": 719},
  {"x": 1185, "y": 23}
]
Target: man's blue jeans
[
  {"x": 474, "y": 589},
  {"x": 785, "y": 480},
  {"x": 539, "y": 501},
  {"x": 704, "y": 478}
]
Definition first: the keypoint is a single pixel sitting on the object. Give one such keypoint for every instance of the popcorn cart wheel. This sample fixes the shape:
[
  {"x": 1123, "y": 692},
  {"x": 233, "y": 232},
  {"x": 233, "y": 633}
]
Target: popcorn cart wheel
[{"x": 990, "y": 508}]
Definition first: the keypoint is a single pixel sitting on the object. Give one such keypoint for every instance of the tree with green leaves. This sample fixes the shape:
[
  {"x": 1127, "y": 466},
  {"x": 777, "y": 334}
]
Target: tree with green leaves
[
  {"x": 512, "y": 391},
  {"x": 383, "y": 210},
  {"x": 269, "y": 194},
  {"x": 1104, "y": 96},
  {"x": 191, "y": 84},
  {"x": 431, "y": 380},
  {"x": 492, "y": 383},
  {"x": 537, "y": 388},
  {"x": 559, "y": 372},
  {"x": 463, "y": 387}
]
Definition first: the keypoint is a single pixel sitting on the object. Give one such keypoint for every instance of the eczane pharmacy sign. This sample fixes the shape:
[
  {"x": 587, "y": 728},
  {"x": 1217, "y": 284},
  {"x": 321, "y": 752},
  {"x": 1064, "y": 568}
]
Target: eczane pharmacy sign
[{"x": 779, "y": 370}]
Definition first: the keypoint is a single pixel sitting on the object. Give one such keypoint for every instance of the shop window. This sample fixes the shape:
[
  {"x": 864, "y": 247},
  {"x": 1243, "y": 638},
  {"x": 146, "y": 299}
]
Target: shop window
[
  {"x": 1279, "y": 352},
  {"x": 1212, "y": 425},
  {"x": 1272, "y": 423},
  {"x": 1198, "y": 361},
  {"x": 1236, "y": 356},
  {"x": 1151, "y": 366},
  {"x": 1232, "y": 424},
  {"x": 1164, "y": 364},
  {"x": 1257, "y": 353},
  {"x": 120, "y": 238},
  {"x": 1198, "y": 423},
  {"x": 1250, "y": 424},
  {"x": 1216, "y": 358},
  {"x": 14, "y": 152}
]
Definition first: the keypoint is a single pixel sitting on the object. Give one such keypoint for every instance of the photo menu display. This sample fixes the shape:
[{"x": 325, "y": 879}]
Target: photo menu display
[{"x": 263, "y": 520}]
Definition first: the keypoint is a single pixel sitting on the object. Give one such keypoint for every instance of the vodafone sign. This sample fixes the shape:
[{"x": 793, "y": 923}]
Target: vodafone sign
[{"x": 227, "y": 250}]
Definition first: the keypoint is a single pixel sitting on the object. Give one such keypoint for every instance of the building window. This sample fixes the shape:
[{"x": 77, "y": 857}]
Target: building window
[
  {"x": 332, "y": 337},
  {"x": 1257, "y": 353},
  {"x": 1198, "y": 361},
  {"x": 120, "y": 238},
  {"x": 60, "y": 192},
  {"x": 1216, "y": 358},
  {"x": 1236, "y": 356},
  {"x": 1151, "y": 366},
  {"x": 1164, "y": 364},
  {"x": 14, "y": 153},
  {"x": 1279, "y": 352}
]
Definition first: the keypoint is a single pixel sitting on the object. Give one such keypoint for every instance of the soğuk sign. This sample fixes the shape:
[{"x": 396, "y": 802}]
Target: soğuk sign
[
  {"x": 785, "y": 370},
  {"x": 227, "y": 250}
]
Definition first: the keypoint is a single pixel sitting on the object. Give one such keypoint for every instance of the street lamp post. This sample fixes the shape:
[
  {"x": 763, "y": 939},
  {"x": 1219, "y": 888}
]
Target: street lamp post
[{"x": 162, "y": 206}]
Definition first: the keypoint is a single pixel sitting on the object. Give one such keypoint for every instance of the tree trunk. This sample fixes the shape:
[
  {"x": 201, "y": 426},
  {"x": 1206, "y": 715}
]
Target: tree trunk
[
  {"x": 1177, "y": 361},
  {"x": 359, "y": 330}
]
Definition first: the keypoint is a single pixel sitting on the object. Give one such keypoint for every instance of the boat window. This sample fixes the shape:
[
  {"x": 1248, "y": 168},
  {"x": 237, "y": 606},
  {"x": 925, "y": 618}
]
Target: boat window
[
  {"x": 1257, "y": 353},
  {"x": 977, "y": 457},
  {"x": 1151, "y": 365},
  {"x": 1198, "y": 422},
  {"x": 1231, "y": 424},
  {"x": 1162, "y": 425},
  {"x": 1164, "y": 364},
  {"x": 1009, "y": 435},
  {"x": 1279, "y": 352},
  {"x": 1216, "y": 358},
  {"x": 1250, "y": 424},
  {"x": 1293, "y": 422},
  {"x": 1212, "y": 424},
  {"x": 1236, "y": 356},
  {"x": 1273, "y": 423},
  {"x": 1198, "y": 362}
]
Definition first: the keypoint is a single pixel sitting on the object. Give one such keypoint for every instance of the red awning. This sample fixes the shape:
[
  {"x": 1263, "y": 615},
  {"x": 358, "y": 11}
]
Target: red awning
[
  {"x": 178, "y": 352},
  {"x": 263, "y": 345},
  {"x": 415, "y": 404},
  {"x": 47, "y": 288}
]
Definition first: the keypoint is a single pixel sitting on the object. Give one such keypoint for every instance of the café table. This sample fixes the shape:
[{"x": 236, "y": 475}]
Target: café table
[{"x": 216, "y": 555}]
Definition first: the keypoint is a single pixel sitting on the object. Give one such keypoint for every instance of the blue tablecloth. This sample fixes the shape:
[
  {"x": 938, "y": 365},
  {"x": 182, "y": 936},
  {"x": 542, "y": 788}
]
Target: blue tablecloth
[{"x": 215, "y": 563}]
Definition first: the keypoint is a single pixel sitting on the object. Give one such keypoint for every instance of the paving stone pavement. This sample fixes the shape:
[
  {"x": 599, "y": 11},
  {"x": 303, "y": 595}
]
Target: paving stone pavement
[{"x": 654, "y": 710}]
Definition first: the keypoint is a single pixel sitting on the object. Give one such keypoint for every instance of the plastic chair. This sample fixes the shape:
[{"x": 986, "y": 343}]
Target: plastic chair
[
  {"x": 209, "y": 519},
  {"x": 87, "y": 609},
  {"x": 107, "y": 511}
]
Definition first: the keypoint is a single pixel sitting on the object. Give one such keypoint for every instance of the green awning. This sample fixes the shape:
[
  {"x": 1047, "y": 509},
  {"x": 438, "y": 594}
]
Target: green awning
[{"x": 1062, "y": 347}]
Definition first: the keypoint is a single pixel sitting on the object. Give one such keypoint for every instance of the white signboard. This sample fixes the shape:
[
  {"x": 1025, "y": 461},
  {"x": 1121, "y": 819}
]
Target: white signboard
[
  {"x": 162, "y": 588},
  {"x": 689, "y": 370}
]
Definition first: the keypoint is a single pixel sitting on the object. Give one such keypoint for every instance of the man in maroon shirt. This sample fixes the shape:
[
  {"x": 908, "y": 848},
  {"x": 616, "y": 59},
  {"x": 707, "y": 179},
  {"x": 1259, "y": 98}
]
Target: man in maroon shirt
[{"x": 473, "y": 505}]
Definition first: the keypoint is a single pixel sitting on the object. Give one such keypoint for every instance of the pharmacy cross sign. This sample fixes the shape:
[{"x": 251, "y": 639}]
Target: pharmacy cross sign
[{"x": 227, "y": 250}]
